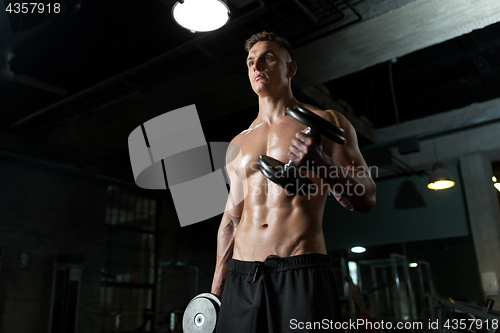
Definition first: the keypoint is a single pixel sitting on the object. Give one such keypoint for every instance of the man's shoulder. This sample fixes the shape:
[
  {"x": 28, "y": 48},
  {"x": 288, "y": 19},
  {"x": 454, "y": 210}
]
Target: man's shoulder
[
  {"x": 237, "y": 139},
  {"x": 234, "y": 146}
]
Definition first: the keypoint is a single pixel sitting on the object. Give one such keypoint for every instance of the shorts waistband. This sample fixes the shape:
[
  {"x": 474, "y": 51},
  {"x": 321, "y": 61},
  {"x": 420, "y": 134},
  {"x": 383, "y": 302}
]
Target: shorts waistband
[{"x": 274, "y": 263}]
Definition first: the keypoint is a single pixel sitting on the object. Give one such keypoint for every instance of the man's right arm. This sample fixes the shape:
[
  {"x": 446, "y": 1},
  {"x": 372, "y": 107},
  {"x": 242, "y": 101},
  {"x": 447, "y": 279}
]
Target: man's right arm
[
  {"x": 229, "y": 224},
  {"x": 225, "y": 245}
]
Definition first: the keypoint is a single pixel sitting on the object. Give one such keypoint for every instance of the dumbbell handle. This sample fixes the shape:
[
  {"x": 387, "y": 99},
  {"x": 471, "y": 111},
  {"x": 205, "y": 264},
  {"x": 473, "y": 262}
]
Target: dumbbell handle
[{"x": 290, "y": 164}]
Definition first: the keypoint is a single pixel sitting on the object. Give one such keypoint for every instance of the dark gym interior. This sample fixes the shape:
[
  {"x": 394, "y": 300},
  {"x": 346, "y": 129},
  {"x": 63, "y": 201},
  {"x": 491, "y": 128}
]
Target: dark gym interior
[{"x": 84, "y": 249}]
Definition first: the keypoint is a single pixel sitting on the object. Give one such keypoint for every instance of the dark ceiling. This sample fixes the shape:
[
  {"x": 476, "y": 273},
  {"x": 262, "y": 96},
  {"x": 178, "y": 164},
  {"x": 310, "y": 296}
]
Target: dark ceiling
[{"x": 125, "y": 62}]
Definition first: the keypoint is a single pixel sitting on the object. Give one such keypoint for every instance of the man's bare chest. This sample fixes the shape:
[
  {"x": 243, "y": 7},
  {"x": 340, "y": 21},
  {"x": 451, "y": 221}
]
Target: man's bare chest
[{"x": 273, "y": 141}]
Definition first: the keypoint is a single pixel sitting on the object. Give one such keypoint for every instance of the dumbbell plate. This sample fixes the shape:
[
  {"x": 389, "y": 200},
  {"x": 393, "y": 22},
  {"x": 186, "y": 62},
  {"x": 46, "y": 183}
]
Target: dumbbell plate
[
  {"x": 317, "y": 123},
  {"x": 201, "y": 314}
]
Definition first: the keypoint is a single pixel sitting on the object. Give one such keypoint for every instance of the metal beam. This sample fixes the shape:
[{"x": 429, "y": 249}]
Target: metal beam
[{"x": 417, "y": 25}]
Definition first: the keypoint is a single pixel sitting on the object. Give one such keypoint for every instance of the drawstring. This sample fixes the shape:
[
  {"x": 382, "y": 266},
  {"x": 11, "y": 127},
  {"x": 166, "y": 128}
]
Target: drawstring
[
  {"x": 255, "y": 270},
  {"x": 259, "y": 266}
]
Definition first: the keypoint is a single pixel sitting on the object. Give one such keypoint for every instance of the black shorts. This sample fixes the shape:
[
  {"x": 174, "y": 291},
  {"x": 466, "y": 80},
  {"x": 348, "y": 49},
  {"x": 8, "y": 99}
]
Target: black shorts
[{"x": 294, "y": 294}]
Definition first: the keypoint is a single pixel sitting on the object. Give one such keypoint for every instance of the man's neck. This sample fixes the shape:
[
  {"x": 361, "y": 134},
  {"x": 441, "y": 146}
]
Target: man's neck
[{"x": 272, "y": 108}]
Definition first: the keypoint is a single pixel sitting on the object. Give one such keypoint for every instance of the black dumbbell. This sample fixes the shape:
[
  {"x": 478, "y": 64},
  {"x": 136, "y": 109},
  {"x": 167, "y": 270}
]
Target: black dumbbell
[{"x": 286, "y": 175}]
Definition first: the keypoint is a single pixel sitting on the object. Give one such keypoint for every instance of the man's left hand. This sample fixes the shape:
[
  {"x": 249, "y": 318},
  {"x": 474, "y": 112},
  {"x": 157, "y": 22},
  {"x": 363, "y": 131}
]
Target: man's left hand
[{"x": 306, "y": 150}]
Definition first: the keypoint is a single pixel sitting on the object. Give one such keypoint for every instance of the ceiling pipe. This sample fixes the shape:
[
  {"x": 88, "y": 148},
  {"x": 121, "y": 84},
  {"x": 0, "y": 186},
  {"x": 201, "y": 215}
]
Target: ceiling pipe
[
  {"x": 427, "y": 135},
  {"x": 87, "y": 172}
]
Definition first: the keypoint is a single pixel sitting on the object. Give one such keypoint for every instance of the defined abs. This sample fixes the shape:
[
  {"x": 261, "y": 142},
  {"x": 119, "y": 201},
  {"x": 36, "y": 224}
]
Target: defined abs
[{"x": 256, "y": 241}]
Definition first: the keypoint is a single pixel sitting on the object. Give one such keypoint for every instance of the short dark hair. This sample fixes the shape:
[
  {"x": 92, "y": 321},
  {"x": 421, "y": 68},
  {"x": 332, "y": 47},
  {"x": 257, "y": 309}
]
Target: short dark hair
[{"x": 268, "y": 37}]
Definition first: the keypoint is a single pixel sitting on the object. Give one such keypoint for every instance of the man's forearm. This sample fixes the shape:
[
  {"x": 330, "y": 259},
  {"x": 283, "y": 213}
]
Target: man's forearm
[
  {"x": 225, "y": 245},
  {"x": 355, "y": 185}
]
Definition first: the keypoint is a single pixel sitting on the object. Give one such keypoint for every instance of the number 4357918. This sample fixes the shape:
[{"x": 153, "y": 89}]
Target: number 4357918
[{"x": 33, "y": 7}]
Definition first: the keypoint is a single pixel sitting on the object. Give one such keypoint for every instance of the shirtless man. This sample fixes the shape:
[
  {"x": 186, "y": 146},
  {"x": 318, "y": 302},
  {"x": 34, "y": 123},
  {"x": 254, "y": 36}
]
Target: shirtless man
[{"x": 272, "y": 270}]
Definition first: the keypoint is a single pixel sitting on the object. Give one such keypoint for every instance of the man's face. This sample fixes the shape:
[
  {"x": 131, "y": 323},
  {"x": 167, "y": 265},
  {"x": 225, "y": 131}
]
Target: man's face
[{"x": 269, "y": 68}]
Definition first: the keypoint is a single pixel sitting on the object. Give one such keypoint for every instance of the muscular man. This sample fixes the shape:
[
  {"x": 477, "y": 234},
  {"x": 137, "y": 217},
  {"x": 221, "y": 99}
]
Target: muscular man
[{"x": 272, "y": 270}]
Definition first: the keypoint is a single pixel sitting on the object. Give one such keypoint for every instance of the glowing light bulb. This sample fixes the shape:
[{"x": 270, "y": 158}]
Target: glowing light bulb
[
  {"x": 441, "y": 185},
  {"x": 201, "y": 15},
  {"x": 358, "y": 249}
]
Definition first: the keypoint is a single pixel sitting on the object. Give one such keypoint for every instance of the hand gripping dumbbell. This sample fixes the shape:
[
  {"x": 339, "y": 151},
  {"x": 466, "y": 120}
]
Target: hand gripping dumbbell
[
  {"x": 201, "y": 314},
  {"x": 286, "y": 175}
]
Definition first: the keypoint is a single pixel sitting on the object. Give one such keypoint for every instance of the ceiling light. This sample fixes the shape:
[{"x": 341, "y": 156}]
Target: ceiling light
[
  {"x": 413, "y": 264},
  {"x": 494, "y": 179},
  {"x": 201, "y": 15},
  {"x": 440, "y": 178},
  {"x": 358, "y": 249}
]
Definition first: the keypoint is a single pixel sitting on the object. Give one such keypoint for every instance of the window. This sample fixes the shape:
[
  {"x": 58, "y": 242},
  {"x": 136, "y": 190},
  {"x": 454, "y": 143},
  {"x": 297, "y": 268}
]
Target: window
[{"x": 128, "y": 278}]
